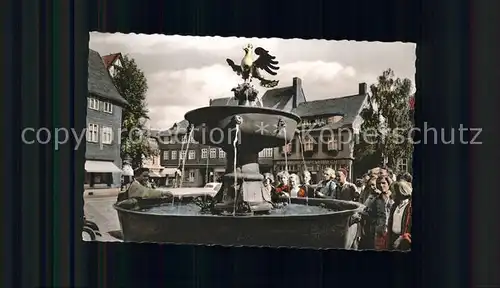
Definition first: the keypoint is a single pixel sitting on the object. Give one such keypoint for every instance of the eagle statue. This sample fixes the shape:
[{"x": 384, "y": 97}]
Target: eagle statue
[{"x": 250, "y": 68}]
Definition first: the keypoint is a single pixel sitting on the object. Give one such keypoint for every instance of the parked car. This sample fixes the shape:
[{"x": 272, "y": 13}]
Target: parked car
[{"x": 213, "y": 185}]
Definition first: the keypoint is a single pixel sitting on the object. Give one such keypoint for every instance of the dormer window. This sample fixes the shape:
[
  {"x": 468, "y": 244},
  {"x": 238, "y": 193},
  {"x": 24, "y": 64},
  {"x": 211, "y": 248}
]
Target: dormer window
[
  {"x": 335, "y": 119},
  {"x": 308, "y": 144},
  {"x": 319, "y": 122},
  {"x": 93, "y": 103},
  {"x": 332, "y": 144},
  {"x": 108, "y": 107}
]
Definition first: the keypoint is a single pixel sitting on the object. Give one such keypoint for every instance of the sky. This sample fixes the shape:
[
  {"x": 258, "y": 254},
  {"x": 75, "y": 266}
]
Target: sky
[{"x": 185, "y": 72}]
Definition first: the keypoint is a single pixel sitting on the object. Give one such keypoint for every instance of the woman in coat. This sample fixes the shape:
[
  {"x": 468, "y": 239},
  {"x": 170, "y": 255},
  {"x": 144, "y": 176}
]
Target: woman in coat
[
  {"x": 368, "y": 216},
  {"x": 382, "y": 204},
  {"x": 399, "y": 224},
  {"x": 327, "y": 188}
]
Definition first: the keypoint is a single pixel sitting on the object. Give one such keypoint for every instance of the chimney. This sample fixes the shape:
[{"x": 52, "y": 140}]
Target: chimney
[
  {"x": 362, "y": 88},
  {"x": 210, "y": 102},
  {"x": 297, "y": 87}
]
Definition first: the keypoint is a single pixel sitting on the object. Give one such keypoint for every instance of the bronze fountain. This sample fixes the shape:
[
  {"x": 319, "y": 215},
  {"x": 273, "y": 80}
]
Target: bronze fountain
[{"x": 240, "y": 213}]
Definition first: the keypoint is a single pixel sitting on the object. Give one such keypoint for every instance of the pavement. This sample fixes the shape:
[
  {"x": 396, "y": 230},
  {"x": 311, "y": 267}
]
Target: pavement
[
  {"x": 108, "y": 192},
  {"x": 99, "y": 209}
]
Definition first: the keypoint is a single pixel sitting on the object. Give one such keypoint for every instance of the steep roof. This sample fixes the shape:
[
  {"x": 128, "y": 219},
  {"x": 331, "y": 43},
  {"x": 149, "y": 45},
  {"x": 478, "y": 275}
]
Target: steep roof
[
  {"x": 154, "y": 133},
  {"x": 347, "y": 106},
  {"x": 110, "y": 59},
  {"x": 99, "y": 81},
  {"x": 177, "y": 128},
  {"x": 278, "y": 98}
]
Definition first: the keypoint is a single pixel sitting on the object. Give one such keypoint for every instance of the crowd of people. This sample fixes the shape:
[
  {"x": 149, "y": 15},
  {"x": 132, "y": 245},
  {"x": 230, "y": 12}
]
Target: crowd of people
[{"x": 385, "y": 223}]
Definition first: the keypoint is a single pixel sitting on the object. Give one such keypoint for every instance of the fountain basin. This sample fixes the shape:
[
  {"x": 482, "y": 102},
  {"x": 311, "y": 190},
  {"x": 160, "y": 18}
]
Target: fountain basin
[
  {"x": 259, "y": 129},
  {"x": 334, "y": 229}
]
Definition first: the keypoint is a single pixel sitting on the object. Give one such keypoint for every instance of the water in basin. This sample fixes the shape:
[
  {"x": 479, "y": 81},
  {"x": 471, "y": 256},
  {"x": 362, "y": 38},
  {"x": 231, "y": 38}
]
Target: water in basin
[{"x": 191, "y": 209}]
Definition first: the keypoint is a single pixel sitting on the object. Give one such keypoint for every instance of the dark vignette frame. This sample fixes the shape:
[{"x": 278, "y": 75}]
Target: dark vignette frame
[{"x": 42, "y": 203}]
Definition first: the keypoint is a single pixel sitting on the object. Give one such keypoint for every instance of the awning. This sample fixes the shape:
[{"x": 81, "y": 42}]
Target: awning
[
  {"x": 218, "y": 170},
  {"x": 101, "y": 167},
  {"x": 170, "y": 172},
  {"x": 154, "y": 174}
]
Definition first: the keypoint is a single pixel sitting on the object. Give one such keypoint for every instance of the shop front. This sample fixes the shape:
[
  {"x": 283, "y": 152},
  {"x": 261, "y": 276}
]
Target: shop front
[{"x": 101, "y": 174}]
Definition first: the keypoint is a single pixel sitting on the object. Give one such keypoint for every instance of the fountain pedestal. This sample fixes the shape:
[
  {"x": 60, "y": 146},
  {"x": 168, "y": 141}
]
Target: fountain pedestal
[
  {"x": 242, "y": 131},
  {"x": 246, "y": 180}
]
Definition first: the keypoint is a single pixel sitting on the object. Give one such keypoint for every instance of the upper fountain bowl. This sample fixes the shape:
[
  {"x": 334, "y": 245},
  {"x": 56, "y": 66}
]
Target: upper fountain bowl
[{"x": 259, "y": 127}]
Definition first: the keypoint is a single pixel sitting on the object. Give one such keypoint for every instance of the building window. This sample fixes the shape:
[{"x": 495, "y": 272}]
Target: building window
[
  {"x": 108, "y": 107},
  {"x": 204, "y": 153},
  {"x": 191, "y": 175},
  {"x": 92, "y": 133},
  {"x": 266, "y": 153},
  {"x": 319, "y": 122},
  {"x": 222, "y": 154},
  {"x": 333, "y": 143},
  {"x": 183, "y": 155},
  {"x": 192, "y": 155},
  {"x": 107, "y": 135},
  {"x": 93, "y": 104},
  {"x": 165, "y": 155},
  {"x": 269, "y": 152},
  {"x": 308, "y": 144},
  {"x": 213, "y": 153},
  {"x": 184, "y": 139},
  {"x": 402, "y": 165},
  {"x": 174, "y": 155}
]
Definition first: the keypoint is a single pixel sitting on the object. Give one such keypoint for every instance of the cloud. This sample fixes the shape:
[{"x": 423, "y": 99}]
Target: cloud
[
  {"x": 184, "y": 72},
  {"x": 191, "y": 87}
]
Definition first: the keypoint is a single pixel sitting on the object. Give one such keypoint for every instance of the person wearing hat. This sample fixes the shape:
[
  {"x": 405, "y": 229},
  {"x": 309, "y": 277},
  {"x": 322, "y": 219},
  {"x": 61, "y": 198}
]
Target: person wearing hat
[{"x": 400, "y": 217}]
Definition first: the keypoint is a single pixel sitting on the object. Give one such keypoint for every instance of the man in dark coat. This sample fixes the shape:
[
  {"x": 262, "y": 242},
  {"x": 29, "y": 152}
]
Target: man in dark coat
[
  {"x": 345, "y": 190},
  {"x": 138, "y": 189}
]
